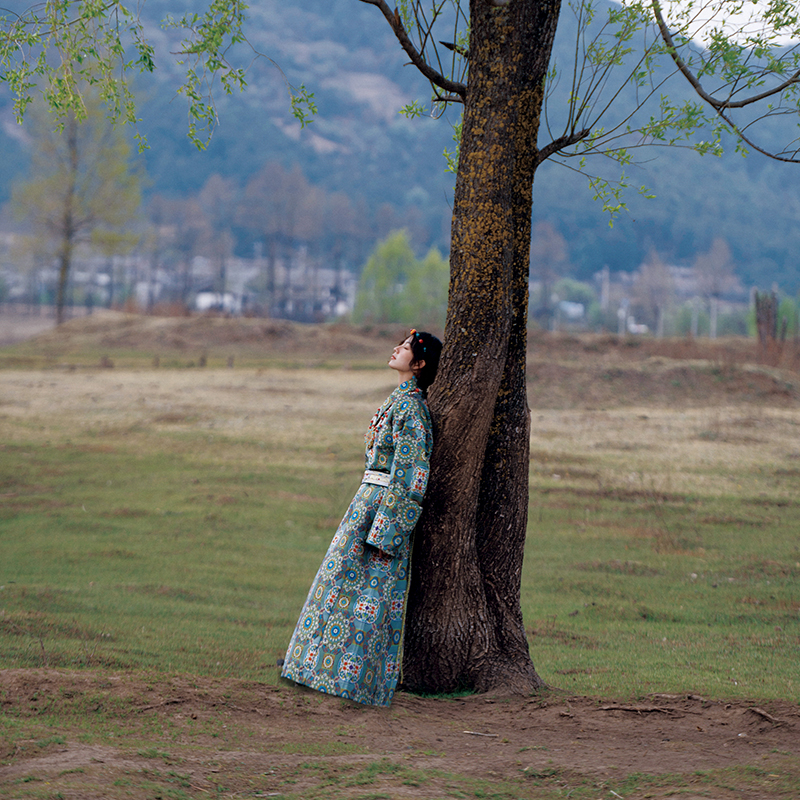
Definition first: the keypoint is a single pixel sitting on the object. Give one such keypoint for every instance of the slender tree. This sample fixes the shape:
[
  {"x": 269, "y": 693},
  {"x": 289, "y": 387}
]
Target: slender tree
[
  {"x": 653, "y": 289},
  {"x": 83, "y": 188},
  {"x": 383, "y": 280},
  {"x": 549, "y": 262},
  {"x": 715, "y": 276},
  {"x": 218, "y": 199}
]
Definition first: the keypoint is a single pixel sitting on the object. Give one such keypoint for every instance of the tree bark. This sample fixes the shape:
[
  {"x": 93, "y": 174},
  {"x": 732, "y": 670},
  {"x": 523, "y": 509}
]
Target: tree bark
[{"x": 464, "y": 625}]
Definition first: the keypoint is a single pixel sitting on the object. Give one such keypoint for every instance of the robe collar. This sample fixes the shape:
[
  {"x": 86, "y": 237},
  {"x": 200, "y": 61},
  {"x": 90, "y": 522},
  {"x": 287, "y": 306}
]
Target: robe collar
[{"x": 408, "y": 387}]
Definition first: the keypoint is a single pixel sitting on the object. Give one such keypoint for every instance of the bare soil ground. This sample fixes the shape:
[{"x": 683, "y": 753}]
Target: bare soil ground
[
  {"x": 565, "y": 370},
  {"x": 251, "y": 738}
]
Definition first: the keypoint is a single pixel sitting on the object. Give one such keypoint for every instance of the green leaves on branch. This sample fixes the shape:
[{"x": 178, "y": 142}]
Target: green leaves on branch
[
  {"x": 610, "y": 194},
  {"x": 61, "y": 46},
  {"x": 209, "y": 38},
  {"x": 451, "y": 156},
  {"x": 413, "y": 110},
  {"x": 730, "y": 54},
  {"x": 303, "y": 106}
]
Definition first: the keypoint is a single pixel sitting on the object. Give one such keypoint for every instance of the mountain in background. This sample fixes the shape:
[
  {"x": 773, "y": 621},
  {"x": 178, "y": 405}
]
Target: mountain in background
[{"x": 361, "y": 145}]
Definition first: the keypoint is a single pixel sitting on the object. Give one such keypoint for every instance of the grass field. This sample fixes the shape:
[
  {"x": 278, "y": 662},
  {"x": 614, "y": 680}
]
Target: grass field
[
  {"x": 169, "y": 521},
  {"x": 174, "y": 520}
]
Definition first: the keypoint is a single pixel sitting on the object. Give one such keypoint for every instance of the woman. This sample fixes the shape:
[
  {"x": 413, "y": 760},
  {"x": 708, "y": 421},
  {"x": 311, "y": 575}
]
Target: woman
[{"x": 347, "y": 640}]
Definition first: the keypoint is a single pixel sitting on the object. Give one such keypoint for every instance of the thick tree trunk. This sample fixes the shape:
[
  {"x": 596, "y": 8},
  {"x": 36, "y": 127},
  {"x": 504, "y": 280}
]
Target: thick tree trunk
[{"x": 464, "y": 625}]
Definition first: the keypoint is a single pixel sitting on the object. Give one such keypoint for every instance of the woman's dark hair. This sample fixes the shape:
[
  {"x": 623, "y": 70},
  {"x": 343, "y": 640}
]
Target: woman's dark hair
[{"x": 425, "y": 347}]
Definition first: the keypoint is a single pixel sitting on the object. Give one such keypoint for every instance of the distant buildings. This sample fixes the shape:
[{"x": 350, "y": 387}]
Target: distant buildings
[{"x": 300, "y": 288}]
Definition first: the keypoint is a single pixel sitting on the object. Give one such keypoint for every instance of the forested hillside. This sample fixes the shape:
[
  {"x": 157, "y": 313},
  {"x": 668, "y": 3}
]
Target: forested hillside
[{"x": 393, "y": 168}]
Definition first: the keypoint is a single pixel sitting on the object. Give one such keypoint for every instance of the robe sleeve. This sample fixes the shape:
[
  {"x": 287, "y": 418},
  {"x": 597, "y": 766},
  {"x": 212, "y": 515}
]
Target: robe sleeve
[{"x": 398, "y": 513}]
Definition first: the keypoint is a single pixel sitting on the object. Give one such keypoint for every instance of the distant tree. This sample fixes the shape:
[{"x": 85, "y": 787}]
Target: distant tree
[
  {"x": 218, "y": 199},
  {"x": 396, "y": 287},
  {"x": 342, "y": 235},
  {"x": 309, "y": 233},
  {"x": 184, "y": 230},
  {"x": 653, "y": 290},
  {"x": 282, "y": 209},
  {"x": 549, "y": 261},
  {"x": 691, "y": 319},
  {"x": 715, "y": 276},
  {"x": 260, "y": 214},
  {"x": 384, "y": 279},
  {"x": 772, "y": 328},
  {"x": 83, "y": 188},
  {"x": 789, "y": 310},
  {"x": 425, "y": 295}
]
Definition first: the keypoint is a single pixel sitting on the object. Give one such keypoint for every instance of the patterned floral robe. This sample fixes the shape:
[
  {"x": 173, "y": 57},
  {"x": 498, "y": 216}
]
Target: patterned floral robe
[{"x": 347, "y": 640}]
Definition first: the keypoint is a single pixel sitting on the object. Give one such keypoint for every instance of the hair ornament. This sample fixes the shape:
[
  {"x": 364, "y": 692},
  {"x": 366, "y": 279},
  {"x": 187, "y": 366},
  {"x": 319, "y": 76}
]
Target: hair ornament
[{"x": 419, "y": 339}]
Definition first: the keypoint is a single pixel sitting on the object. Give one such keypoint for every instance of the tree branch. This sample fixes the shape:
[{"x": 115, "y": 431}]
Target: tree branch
[
  {"x": 436, "y": 78},
  {"x": 560, "y": 143},
  {"x": 690, "y": 76},
  {"x": 752, "y": 144},
  {"x": 456, "y": 49},
  {"x": 720, "y": 106}
]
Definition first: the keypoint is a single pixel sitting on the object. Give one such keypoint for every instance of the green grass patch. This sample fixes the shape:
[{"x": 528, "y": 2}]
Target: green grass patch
[{"x": 162, "y": 520}]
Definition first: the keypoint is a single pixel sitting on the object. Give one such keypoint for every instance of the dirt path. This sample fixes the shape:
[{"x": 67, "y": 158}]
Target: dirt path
[{"x": 246, "y": 739}]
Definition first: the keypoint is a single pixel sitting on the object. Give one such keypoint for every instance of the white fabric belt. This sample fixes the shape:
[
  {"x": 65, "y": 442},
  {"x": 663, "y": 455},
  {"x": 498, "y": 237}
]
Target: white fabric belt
[{"x": 378, "y": 478}]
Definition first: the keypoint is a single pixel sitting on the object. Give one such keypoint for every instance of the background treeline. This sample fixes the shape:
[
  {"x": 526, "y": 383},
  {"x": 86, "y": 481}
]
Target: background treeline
[{"x": 265, "y": 186}]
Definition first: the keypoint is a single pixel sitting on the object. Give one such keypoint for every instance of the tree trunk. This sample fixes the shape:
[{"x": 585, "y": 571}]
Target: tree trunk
[
  {"x": 770, "y": 340},
  {"x": 67, "y": 231},
  {"x": 64, "y": 263},
  {"x": 714, "y": 313},
  {"x": 464, "y": 625}
]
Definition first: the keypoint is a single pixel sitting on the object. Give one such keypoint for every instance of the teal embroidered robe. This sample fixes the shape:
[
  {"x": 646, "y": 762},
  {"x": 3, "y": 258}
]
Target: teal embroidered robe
[{"x": 347, "y": 640}]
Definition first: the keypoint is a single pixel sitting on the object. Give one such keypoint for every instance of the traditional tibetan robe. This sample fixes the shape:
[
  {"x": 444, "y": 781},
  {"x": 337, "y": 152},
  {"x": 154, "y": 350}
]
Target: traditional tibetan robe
[{"x": 347, "y": 640}]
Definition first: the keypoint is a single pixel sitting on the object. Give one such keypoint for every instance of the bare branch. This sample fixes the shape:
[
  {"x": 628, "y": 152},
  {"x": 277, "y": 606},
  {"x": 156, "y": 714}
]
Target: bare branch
[
  {"x": 560, "y": 143},
  {"x": 447, "y": 98},
  {"x": 455, "y": 48},
  {"x": 752, "y": 144},
  {"x": 436, "y": 78}
]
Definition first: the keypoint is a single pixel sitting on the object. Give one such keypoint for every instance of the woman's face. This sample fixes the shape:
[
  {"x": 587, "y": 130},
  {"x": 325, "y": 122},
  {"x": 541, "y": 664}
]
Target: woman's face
[{"x": 402, "y": 356}]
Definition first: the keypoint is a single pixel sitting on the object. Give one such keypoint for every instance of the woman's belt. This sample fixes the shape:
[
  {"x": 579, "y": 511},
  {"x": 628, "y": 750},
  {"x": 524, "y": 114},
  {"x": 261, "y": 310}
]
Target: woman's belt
[{"x": 375, "y": 477}]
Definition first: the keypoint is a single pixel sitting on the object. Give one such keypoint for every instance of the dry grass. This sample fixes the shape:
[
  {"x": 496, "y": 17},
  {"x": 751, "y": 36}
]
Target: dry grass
[
  {"x": 274, "y": 404},
  {"x": 688, "y": 448},
  {"x": 724, "y": 450}
]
